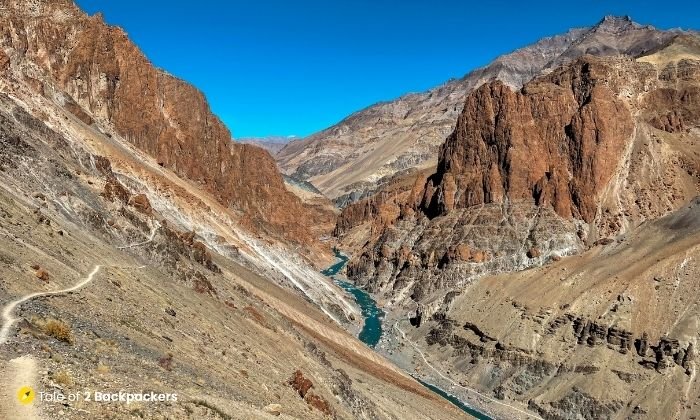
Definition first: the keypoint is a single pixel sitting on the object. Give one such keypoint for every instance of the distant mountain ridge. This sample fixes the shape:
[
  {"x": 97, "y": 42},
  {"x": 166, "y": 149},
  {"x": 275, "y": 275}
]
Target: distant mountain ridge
[
  {"x": 272, "y": 144},
  {"x": 365, "y": 149}
]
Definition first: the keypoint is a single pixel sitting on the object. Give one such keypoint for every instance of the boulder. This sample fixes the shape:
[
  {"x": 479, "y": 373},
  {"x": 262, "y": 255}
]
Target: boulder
[
  {"x": 534, "y": 252},
  {"x": 42, "y": 274}
]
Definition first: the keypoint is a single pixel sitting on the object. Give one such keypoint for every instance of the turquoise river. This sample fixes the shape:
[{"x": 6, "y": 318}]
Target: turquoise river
[{"x": 371, "y": 331}]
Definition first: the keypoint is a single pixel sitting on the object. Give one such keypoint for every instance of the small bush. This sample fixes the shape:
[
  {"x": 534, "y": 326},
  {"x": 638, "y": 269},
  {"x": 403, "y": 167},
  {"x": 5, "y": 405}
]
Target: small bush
[{"x": 58, "y": 330}]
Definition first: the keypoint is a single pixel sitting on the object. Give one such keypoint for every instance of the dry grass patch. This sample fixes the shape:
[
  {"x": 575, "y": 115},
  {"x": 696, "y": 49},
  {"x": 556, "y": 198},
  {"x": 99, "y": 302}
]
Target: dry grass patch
[
  {"x": 58, "y": 330},
  {"x": 62, "y": 378},
  {"x": 106, "y": 346}
]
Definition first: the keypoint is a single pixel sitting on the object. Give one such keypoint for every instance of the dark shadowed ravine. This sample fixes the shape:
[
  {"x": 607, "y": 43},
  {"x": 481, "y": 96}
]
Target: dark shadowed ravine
[{"x": 371, "y": 331}]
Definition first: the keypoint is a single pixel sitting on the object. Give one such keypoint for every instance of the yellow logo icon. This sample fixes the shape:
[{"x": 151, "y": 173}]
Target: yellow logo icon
[{"x": 25, "y": 395}]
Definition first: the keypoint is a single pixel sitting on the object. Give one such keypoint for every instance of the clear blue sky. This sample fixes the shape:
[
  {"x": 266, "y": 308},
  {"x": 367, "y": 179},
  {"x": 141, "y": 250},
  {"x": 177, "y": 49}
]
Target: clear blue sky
[{"x": 282, "y": 67}]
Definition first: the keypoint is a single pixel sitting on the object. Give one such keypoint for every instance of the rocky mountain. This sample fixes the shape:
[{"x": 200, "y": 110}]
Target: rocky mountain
[
  {"x": 549, "y": 259},
  {"x": 142, "y": 251},
  {"x": 97, "y": 73},
  {"x": 364, "y": 150}
]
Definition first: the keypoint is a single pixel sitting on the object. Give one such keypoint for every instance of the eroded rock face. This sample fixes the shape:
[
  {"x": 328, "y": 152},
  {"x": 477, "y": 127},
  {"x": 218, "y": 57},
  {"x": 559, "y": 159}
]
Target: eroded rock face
[
  {"x": 571, "y": 160},
  {"x": 676, "y": 108},
  {"x": 557, "y": 142},
  {"x": 429, "y": 258},
  {"x": 393, "y": 200},
  {"x": 101, "y": 75}
]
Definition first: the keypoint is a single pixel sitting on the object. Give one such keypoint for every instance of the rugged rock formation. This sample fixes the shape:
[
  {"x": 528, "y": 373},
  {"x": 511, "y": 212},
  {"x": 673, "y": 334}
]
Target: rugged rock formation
[
  {"x": 598, "y": 159},
  {"x": 530, "y": 176},
  {"x": 592, "y": 333},
  {"x": 386, "y": 205},
  {"x": 94, "y": 69},
  {"x": 368, "y": 147},
  {"x": 557, "y": 143}
]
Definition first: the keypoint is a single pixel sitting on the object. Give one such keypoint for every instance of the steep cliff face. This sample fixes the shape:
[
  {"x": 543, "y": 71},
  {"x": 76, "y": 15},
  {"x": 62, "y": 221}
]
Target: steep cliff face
[
  {"x": 386, "y": 205},
  {"x": 367, "y": 148},
  {"x": 79, "y": 60},
  {"x": 675, "y": 108},
  {"x": 557, "y": 142}
]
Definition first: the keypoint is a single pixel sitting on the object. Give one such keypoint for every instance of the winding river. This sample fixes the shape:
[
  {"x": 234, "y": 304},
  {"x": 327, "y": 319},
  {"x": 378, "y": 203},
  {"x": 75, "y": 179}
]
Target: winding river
[
  {"x": 372, "y": 328},
  {"x": 371, "y": 331}
]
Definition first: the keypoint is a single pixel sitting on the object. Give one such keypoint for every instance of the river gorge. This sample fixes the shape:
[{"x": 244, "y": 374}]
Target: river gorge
[{"x": 372, "y": 329}]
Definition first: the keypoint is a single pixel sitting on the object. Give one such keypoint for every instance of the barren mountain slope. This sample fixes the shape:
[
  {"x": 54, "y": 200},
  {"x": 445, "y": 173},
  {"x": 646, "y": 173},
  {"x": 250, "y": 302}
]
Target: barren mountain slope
[
  {"x": 364, "y": 150},
  {"x": 142, "y": 251},
  {"x": 588, "y": 171},
  {"x": 98, "y": 74},
  {"x": 611, "y": 333},
  {"x": 168, "y": 294}
]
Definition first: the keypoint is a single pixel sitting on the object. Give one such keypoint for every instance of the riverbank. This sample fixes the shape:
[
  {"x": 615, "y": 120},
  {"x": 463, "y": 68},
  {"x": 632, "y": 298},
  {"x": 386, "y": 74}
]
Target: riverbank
[
  {"x": 386, "y": 341},
  {"x": 398, "y": 347}
]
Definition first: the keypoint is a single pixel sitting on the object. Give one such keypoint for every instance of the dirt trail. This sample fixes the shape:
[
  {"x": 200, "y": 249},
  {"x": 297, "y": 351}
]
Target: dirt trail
[
  {"x": 147, "y": 241},
  {"x": 9, "y": 319},
  {"x": 15, "y": 374}
]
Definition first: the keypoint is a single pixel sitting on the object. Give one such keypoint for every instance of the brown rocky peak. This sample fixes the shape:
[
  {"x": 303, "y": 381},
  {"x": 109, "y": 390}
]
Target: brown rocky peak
[{"x": 556, "y": 142}]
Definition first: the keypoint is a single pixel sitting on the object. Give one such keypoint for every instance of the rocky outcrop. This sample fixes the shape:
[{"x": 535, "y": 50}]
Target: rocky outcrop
[
  {"x": 303, "y": 386},
  {"x": 557, "y": 142},
  {"x": 300, "y": 383},
  {"x": 447, "y": 253},
  {"x": 675, "y": 108},
  {"x": 593, "y": 333},
  {"x": 517, "y": 370},
  {"x": 577, "y": 404},
  {"x": 141, "y": 203},
  {"x": 387, "y": 204},
  {"x": 184, "y": 243}
]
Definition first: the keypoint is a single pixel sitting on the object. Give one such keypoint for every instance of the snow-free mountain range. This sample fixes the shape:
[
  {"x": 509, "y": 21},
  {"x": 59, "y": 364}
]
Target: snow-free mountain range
[{"x": 531, "y": 233}]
